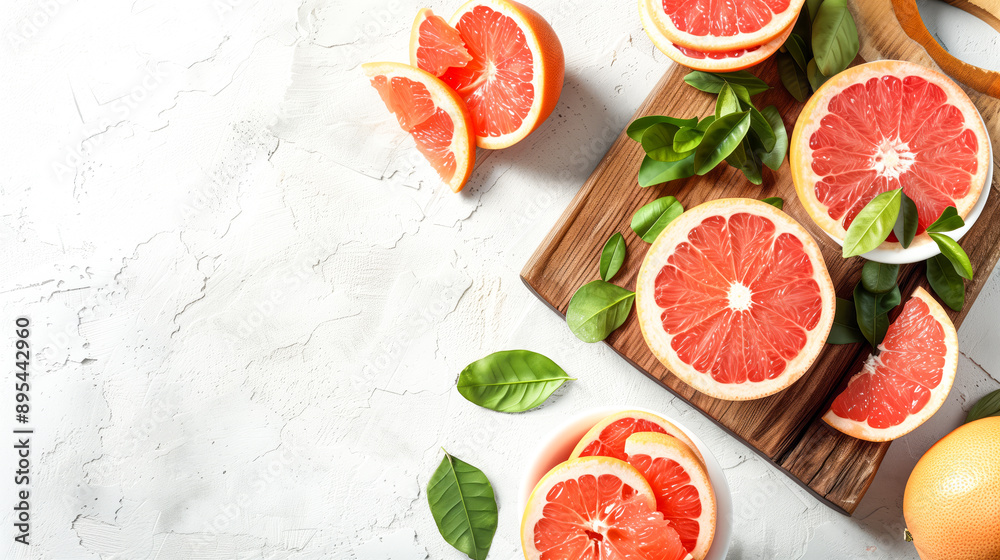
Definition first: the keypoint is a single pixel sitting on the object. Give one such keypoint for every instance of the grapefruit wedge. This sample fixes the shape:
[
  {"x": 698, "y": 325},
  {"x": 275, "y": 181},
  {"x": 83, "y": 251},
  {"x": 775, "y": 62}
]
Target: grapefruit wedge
[
  {"x": 908, "y": 380},
  {"x": 681, "y": 485},
  {"x": 436, "y": 46},
  {"x": 607, "y": 437},
  {"x": 596, "y": 508},
  {"x": 707, "y": 61},
  {"x": 882, "y": 126},
  {"x": 432, "y": 113},
  {"x": 515, "y": 75},
  {"x": 707, "y": 25},
  {"x": 735, "y": 299}
]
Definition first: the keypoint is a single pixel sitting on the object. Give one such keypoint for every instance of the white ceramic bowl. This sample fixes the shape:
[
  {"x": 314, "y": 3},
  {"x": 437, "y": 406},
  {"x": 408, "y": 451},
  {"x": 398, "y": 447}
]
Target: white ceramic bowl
[
  {"x": 556, "y": 447},
  {"x": 917, "y": 253}
]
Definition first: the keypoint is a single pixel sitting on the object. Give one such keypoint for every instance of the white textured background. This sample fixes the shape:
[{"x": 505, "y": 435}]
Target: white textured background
[{"x": 251, "y": 299}]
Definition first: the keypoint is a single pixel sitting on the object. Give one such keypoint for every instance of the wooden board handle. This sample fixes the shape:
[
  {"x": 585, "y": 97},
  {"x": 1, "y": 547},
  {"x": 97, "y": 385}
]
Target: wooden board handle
[{"x": 975, "y": 77}]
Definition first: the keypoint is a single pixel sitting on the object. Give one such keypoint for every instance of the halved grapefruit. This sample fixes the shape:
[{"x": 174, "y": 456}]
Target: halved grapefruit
[
  {"x": 681, "y": 485},
  {"x": 707, "y": 61},
  {"x": 432, "y": 113},
  {"x": 881, "y": 126},
  {"x": 514, "y": 79},
  {"x": 707, "y": 25},
  {"x": 436, "y": 46},
  {"x": 735, "y": 299},
  {"x": 596, "y": 508},
  {"x": 908, "y": 380},
  {"x": 607, "y": 437}
]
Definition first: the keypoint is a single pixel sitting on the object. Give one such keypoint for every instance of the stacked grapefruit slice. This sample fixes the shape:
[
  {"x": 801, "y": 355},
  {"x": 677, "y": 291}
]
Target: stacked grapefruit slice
[
  {"x": 718, "y": 36},
  {"x": 499, "y": 59},
  {"x": 882, "y": 126},
  {"x": 908, "y": 380},
  {"x": 635, "y": 487},
  {"x": 735, "y": 299}
]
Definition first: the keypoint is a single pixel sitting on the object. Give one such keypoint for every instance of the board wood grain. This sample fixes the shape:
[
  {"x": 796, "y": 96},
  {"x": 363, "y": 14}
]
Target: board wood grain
[{"x": 784, "y": 428}]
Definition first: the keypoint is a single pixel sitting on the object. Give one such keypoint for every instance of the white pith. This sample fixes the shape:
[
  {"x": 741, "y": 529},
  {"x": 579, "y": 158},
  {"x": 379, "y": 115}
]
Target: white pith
[
  {"x": 893, "y": 158},
  {"x": 740, "y": 297}
]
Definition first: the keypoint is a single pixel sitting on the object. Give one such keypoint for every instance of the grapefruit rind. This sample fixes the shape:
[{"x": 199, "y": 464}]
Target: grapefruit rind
[
  {"x": 663, "y": 446},
  {"x": 774, "y": 28},
  {"x": 800, "y": 153},
  {"x": 658, "y": 340},
  {"x": 668, "y": 427},
  {"x": 575, "y": 468},
  {"x": 463, "y": 144},
  {"x": 862, "y": 430},
  {"x": 708, "y": 64},
  {"x": 548, "y": 73}
]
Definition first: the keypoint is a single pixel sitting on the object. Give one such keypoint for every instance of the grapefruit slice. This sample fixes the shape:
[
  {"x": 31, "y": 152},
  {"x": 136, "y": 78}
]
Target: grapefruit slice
[
  {"x": 596, "y": 508},
  {"x": 707, "y": 61},
  {"x": 607, "y": 437},
  {"x": 681, "y": 485},
  {"x": 735, "y": 299},
  {"x": 709, "y": 25},
  {"x": 515, "y": 76},
  {"x": 908, "y": 380},
  {"x": 432, "y": 113},
  {"x": 436, "y": 46},
  {"x": 881, "y": 126}
]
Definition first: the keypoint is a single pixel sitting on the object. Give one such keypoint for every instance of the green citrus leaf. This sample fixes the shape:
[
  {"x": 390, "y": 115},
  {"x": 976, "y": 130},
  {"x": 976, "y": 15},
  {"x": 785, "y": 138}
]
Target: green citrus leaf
[
  {"x": 949, "y": 220},
  {"x": 749, "y": 161},
  {"x": 845, "y": 324},
  {"x": 906, "y": 224},
  {"x": 652, "y": 218},
  {"x": 986, "y": 407},
  {"x": 706, "y": 122},
  {"x": 835, "y": 37},
  {"x": 464, "y": 507},
  {"x": 954, "y": 253},
  {"x": 612, "y": 256},
  {"x": 762, "y": 128},
  {"x": 946, "y": 282},
  {"x": 775, "y": 201},
  {"x": 597, "y": 309},
  {"x": 872, "y": 324},
  {"x": 743, "y": 95},
  {"x": 796, "y": 46},
  {"x": 888, "y": 301},
  {"x": 793, "y": 77},
  {"x": 639, "y": 126},
  {"x": 872, "y": 225},
  {"x": 815, "y": 77},
  {"x": 653, "y": 172},
  {"x": 774, "y": 157},
  {"x": 803, "y": 26},
  {"x": 687, "y": 139},
  {"x": 727, "y": 103},
  {"x": 658, "y": 142},
  {"x": 879, "y": 278},
  {"x": 511, "y": 380},
  {"x": 721, "y": 138},
  {"x": 712, "y": 83},
  {"x": 812, "y": 7}
]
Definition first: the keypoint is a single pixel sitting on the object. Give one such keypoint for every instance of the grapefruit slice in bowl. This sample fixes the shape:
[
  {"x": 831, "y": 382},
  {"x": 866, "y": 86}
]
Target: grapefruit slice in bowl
[
  {"x": 684, "y": 494},
  {"x": 436, "y": 46},
  {"x": 432, "y": 114},
  {"x": 596, "y": 508},
  {"x": 707, "y": 61},
  {"x": 607, "y": 438},
  {"x": 903, "y": 385},
  {"x": 735, "y": 299},
  {"x": 723, "y": 26},
  {"x": 515, "y": 75},
  {"x": 886, "y": 125}
]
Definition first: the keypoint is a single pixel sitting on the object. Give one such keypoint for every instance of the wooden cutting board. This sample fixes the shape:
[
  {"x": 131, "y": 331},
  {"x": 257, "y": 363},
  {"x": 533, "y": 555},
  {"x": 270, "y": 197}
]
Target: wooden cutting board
[{"x": 784, "y": 428}]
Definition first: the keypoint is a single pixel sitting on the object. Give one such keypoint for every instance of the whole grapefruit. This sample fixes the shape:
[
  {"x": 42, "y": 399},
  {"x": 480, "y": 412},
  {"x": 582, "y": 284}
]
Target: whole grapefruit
[{"x": 952, "y": 499}]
